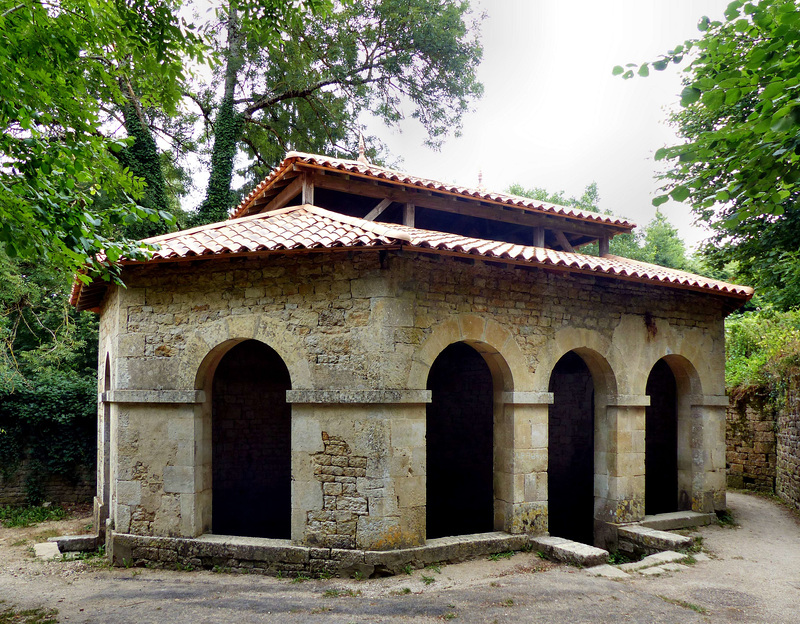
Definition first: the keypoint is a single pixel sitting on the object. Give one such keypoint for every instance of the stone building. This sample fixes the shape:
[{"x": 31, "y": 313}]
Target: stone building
[{"x": 362, "y": 364}]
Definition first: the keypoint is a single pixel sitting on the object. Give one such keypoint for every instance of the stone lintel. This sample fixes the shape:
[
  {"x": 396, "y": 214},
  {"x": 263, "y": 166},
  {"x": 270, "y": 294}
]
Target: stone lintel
[
  {"x": 629, "y": 400},
  {"x": 339, "y": 397},
  {"x": 153, "y": 396},
  {"x": 709, "y": 400},
  {"x": 528, "y": 398}
]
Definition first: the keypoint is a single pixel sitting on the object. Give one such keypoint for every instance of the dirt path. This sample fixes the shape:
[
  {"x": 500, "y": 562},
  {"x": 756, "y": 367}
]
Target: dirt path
[{"x": 754, "y": 576}]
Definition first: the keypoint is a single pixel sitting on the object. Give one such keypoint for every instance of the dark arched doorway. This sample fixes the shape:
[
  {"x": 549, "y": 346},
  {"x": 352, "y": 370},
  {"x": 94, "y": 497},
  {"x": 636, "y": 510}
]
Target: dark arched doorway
[
  {"x": 251, "y": 442},
  {"x": 460, "y": 425},
  {"x": 661, "y": 441},
  {"x": 570, "y": 458}
]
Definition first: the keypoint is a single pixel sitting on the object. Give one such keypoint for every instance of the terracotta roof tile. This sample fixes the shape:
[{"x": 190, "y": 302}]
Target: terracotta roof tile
[
  {"x": 309, "y": 227},
  {"x": 384, "y": 173}
]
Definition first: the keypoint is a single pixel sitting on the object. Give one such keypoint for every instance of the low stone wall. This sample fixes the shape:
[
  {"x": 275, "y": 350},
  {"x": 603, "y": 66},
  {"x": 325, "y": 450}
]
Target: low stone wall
[
  {"x": 787, "y": 484},
  {"x": 764, "y": 444},
  {"x": 751, "y": 444},
  {"x": 282, "y": 558},
  {"x": 53, "y": 488}
]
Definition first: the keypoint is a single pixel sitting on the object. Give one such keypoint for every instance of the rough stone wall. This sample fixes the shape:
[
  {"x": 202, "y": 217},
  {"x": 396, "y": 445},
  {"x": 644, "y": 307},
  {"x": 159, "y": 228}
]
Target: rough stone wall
[
  {"x": 752, "y": 444},
  {"x": 357, "y": 321},
  {"x": 338, "y": 470},
  {"x": 788, "y": 448},
  {"x": 54, "y": 488}
]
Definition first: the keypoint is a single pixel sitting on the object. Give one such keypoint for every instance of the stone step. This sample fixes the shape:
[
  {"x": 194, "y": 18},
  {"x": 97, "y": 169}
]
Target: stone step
[
  {"x": 678, "y": 520},
  {"x": 47, "y": 551},
  {"x": 636, "y": 539},
  {"x": 561, "y": 549},
  {"x": 75, "y": 543}
]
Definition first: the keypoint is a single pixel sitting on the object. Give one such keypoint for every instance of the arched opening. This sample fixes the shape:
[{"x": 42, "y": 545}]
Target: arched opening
[
  {"x": 251, "y": 443},
  {"x": 570, "y": 464},
  {"x": 661, "y": 441},
  {"x": 460, "y": 460}
]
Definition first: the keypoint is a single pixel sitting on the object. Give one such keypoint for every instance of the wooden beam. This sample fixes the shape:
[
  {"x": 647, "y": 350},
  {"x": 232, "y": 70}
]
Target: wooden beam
[
  {"x": 285, "y": 196},
  {"x": 538, "y": 237},
  {"x": 604, "y": 246},
  {"x": 308, "y": 188},
  {"x": 466, "y": 207},
  {"x": 562, "y": 240},
  {"x": 408, "y": 215},
  {"x": 377, "y": 210}
]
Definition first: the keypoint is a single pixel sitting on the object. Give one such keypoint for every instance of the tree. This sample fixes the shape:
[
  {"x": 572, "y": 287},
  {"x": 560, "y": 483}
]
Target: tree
[
  {"x": 739, "y": 164},
  {"x": 307, "y": 88},
  {"x": 63, "y": 193}
]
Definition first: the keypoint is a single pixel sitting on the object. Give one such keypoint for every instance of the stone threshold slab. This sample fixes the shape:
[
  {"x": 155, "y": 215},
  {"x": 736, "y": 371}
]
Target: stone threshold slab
[
  {"x": 275, "y": 556},
  {"x": 678, "y": 520}
]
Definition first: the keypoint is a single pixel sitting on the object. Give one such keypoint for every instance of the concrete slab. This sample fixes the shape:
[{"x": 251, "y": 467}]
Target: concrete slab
[
  {"x": 678, "y": 520},
  {"x": 606, "y": 571},
  {"x": 565, "y": 550},
  {"x": 47, "y": 551},
  {"x": 701, "y": 557},
  {"x": 653, "y": 560},
  {"x": 75, "y": 543},
  {"x": 663, "y": 569}
]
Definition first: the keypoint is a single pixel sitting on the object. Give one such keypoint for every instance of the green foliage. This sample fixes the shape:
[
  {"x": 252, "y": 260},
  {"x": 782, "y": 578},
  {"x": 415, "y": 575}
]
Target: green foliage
[
  {"x": 28, "y": 516},
  {"x": 48, "y": 380},
  {"x": 588, "y": 201},
  {"x": 762, "y": 351},
  {"x": 739, "y": 161},
  {"x": 63, "y": 194}
]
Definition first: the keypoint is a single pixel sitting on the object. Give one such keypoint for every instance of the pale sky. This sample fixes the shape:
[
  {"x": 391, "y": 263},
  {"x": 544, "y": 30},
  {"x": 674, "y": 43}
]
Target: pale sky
[{"x": 553, "y": 116}]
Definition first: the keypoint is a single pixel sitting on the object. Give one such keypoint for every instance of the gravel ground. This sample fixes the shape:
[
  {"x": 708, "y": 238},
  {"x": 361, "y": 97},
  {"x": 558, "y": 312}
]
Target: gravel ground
[{"x": 753, "y": 576}]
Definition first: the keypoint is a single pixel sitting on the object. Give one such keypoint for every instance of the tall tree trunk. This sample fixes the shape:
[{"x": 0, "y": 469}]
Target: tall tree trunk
[{"x": 227, "y": 131}]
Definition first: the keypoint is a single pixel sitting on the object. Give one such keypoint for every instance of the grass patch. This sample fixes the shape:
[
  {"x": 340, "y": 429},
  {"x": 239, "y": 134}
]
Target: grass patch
[
  {"x": 20, "y": 517},
  {"x": 686, "y": 605},
  {"x": 428, "y": 579},
  {"x": 9, "y": 615},
  {"x": 725, "y": 518},
  {"x": 301, "y": 578},
  {"x": 617, "y": 558},
  {"x": 502, "y": 555},
  {"x": 435, "y": 567}
]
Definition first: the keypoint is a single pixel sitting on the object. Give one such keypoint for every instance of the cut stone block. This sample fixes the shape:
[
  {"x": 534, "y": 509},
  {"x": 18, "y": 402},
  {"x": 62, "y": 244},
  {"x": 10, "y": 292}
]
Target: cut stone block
[
  {"x": 653, "y": 560},
  {"x": 606, "y": 571},
  {"x": 565, "y": 550},
  {"x": 47, "y": 551},
  {"x": 639, "y": 539},
  {"x": 75, "y": 543},
  {"x": 678, "y": 520}
]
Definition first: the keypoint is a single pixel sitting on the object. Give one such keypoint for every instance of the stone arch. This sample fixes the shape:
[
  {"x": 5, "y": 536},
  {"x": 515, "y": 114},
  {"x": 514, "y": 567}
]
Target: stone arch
[
  {"x": 686, "y": 389},
  {"x": 593, "y": 348},
  {"x": 213, "y": 340},
  {"x": 244, "y": 451},
  {"x": 495, "y": 343},
  {"x": 459, "y": 443},
  {"x": 509, "y": 371}
]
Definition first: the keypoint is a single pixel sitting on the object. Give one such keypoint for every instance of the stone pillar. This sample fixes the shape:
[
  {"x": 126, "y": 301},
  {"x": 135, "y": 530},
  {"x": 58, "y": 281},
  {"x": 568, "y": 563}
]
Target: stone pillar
[
  {"x": 158, "y": 472},
  {"x": 358, "y": 468},
  {"x": 520, "y": 481},
  {"x": 619, "y": 462},
  {"x": 701, "y": 452}
]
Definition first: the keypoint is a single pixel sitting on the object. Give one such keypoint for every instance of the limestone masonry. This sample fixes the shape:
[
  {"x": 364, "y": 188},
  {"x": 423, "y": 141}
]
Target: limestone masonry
[{"x": 367, "y": 364}]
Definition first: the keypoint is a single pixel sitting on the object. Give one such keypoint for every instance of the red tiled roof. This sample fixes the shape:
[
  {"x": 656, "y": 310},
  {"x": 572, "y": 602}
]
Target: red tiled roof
[
  {"x": 309, "y": 228},
  {"x": 383, "y": 173}
]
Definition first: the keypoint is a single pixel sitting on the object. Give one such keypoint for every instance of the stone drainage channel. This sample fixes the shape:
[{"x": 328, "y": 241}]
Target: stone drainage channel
[{"x": 650, "y": 538}]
